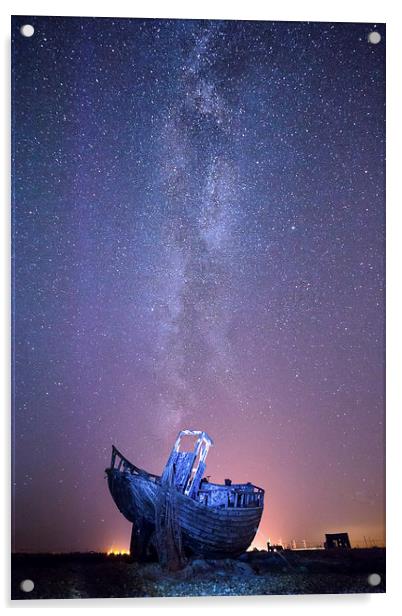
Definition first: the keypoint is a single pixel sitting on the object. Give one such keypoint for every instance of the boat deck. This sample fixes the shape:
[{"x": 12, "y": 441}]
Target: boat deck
[{"x": 231, "y": 495}]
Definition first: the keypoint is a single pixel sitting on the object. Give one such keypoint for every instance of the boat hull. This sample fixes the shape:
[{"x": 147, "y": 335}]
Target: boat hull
[{"x": 207, "y": 532}]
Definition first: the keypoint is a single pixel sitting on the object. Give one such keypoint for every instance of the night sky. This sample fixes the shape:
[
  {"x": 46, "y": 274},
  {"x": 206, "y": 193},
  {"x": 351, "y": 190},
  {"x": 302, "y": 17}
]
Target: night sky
[{"x": 198, "y": 242}]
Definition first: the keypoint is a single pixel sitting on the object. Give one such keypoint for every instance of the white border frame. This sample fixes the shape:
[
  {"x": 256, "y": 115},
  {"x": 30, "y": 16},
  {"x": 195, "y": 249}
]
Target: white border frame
[{"x": 287, "y": 10}]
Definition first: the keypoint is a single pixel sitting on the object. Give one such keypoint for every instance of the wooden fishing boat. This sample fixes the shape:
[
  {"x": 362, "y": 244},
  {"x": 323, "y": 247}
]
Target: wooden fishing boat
[{"x": 209, "y": 520}]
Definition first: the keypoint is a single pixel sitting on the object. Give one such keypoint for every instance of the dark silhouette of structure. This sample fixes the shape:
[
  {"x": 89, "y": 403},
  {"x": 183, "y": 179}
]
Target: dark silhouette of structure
[
  {"x": 336, "y": 541},
  {"x": 274, "y": 547}
]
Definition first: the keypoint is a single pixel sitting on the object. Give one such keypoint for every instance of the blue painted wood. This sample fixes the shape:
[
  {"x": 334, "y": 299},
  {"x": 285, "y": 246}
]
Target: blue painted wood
[{"x": 214, "y": 520}]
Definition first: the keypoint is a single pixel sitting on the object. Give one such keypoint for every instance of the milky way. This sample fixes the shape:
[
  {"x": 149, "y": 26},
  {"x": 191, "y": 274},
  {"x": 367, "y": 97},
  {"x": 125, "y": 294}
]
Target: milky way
[{"x": 198, "y": 228}]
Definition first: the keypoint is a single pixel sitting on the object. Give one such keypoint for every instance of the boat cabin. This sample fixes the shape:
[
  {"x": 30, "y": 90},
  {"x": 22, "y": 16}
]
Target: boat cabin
[{"x": 185, "y": 470}]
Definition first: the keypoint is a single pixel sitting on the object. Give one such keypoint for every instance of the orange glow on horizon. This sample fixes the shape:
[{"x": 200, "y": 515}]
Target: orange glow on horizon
[{"x": 118, "y": 552}]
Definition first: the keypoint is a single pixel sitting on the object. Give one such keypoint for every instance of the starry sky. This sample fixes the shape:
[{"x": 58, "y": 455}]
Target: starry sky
[{"x": 198, "y": 242}]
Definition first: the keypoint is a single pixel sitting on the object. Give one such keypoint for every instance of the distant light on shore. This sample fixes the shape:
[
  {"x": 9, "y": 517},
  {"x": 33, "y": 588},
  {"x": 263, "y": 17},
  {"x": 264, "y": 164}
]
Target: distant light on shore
[{"x": 113, "y": 552}]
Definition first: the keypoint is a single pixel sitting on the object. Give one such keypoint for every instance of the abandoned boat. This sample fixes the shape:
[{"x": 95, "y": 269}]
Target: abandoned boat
[{"x": 204, "y": 519}]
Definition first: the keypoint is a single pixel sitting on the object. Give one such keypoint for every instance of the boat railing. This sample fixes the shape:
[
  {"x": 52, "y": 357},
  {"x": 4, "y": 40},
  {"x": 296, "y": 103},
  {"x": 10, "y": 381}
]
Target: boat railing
[
  {"x": 120, "y": 463},
  {"x": 240, "y": 498}
]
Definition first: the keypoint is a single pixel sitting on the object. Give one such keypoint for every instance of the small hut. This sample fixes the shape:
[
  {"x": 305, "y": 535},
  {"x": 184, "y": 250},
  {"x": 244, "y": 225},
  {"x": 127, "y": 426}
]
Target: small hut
[{"x": 336, "y": 541}]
